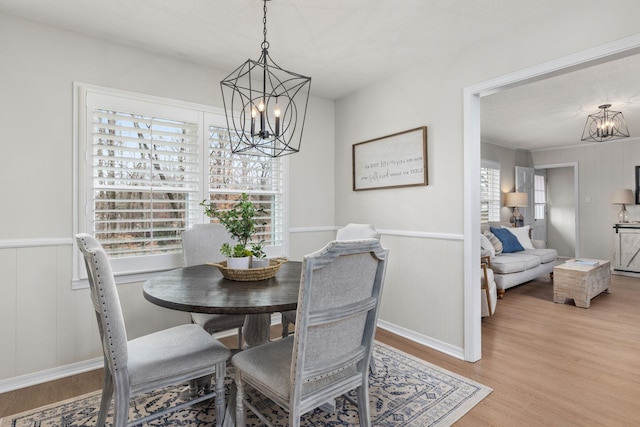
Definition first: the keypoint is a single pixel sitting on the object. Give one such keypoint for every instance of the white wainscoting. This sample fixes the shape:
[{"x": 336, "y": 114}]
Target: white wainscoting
[{"x": 48, "y": 330}]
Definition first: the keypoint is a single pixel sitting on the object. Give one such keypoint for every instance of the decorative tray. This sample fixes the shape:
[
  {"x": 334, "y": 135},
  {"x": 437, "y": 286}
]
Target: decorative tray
[{"x": 250, "y": 274}]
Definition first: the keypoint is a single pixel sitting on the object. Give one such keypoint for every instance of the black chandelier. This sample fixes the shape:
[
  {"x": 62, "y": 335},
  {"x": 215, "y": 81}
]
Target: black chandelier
[
  {"x": 265, "y": 105},
  {"x": 605, "y": 125}
]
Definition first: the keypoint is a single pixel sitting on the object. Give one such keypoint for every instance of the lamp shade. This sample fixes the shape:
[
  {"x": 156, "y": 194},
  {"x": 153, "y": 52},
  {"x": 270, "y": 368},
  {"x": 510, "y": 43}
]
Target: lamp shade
[
  {"x": 622, "y": 197},
  {"x": 515, "y": 199}
]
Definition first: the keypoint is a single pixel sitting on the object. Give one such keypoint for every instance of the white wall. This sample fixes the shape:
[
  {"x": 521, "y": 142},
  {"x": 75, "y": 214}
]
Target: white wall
[
  {"x": 43, "y": 323},
  {"x": 602, "y": 168}
]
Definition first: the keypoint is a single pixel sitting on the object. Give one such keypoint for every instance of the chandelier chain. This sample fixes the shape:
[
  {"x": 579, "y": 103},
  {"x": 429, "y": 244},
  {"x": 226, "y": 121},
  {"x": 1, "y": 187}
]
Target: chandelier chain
[{"x": 265, "y": 43}]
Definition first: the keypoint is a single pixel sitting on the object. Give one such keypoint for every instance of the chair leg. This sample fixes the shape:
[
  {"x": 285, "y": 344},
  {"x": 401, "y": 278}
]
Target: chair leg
[
  {"x": 285, "y": 327},
  {"x": 221, "y": 373},
  {"x": 240, "y": 419},
  {"x": 121, "y": 408},
  {"x": 105, "y": 400},
  {"x": 240, "y": 343},
  {"x": 206, "y": 384},
  {"x": 194, "y": 387},
  {"x": 363, "y": 406},
  {"x": 294, "y": 416},
  {"x": 372, "y": 365}
]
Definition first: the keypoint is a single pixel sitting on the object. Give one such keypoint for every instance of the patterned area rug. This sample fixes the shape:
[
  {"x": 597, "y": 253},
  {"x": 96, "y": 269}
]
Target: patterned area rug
[{"x": 405, "y": 391}]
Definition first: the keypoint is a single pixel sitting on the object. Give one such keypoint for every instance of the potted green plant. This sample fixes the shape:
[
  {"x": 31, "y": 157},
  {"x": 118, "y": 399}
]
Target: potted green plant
[
  {"x": 242, "y": 223},
  {"x": 259, "y": 257}
]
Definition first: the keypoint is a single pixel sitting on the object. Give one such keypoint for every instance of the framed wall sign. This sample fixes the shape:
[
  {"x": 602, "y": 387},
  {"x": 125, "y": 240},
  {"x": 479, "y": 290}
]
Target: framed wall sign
[{"x": 398, "y": 160}]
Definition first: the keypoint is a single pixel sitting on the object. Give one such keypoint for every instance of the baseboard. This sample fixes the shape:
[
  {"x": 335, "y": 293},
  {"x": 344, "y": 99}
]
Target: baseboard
[
  {"x": 625, "y": 273},
  {"x": 440, "y": 346},
  {"x": 50, "y": 374}
]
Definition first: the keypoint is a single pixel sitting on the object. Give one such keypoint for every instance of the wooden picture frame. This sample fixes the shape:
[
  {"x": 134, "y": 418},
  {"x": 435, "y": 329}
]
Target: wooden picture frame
[
  {"x": 397, "y": 160},
  {"x": 637, "y": 185}
]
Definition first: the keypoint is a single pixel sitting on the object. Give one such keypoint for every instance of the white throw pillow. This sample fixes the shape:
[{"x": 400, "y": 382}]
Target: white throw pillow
[
  {"x": 486, "y": 244},
  {"x": 522, "y": 234}
]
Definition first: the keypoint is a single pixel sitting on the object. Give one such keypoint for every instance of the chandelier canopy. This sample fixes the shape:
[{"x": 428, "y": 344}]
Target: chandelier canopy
[
  {"x": 605, "y": 125},
  {"x": 265, "y": 105}
]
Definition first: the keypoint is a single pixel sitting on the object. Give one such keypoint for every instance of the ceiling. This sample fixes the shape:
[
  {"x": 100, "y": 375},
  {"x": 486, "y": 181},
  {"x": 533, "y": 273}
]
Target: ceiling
[
  {"x": 552, "y": 112},
  {"x": 347, "y": 45}
]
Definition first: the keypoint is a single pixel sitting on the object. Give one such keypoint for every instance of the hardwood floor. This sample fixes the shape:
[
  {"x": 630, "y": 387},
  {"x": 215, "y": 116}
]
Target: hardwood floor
[{"x": 548, "y": 364}]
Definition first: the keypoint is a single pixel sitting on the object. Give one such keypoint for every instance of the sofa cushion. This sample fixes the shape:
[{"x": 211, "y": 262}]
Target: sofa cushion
[
  {"x": 509, "y": 240},
  {"x": 522, "y": 234},
  {"x": 497, "y": 245},
  {"x": 514, "y": 262},
  {"x": 545, "y": 255},
  {"x": 486, "y": 245}
]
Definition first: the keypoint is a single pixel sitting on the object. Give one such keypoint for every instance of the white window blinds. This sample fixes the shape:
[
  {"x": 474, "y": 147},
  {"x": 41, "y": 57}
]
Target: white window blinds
[
  {"x": 489, "y": 192},
  {"x": 232, "y": 174},
  {"x": 145, "y": 181},
  {"x": 539, "y": 196}
]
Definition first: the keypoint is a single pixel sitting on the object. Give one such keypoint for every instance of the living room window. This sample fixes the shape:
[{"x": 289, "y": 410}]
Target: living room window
[
  {"x": 144, "y": 166},
  {"x": 489, "y": 191},
  {"x": 539, "y": 196}
]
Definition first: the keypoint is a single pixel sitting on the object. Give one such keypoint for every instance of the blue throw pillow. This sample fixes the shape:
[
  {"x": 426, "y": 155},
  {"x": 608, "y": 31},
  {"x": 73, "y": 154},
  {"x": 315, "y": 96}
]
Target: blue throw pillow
[{"x": 509, "y": 241}]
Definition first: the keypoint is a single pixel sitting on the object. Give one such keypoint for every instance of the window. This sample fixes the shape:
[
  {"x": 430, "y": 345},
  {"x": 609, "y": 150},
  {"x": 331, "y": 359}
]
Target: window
[
  {"x": 145, "y": 181},
  {"x": 145, "y": 164},
  {"x": 539, "y": 196},
  {"x": 489, "y": 192},
  {"x": 230, "y": 175}
]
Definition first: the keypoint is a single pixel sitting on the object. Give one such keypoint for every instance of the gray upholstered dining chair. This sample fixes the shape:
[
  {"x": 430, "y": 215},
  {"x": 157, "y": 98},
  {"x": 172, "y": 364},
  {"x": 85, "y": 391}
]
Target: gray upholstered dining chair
[
  {"x": 168, "y": 357},
  {"x": 350, "y": 231},
  {"x": 329, "y": 353},
  {"x": 201, "y": 244}
]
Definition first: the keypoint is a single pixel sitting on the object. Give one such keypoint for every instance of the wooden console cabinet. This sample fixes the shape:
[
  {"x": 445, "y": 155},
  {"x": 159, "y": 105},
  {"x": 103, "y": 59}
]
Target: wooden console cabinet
[{"x": 626, "y": 247}]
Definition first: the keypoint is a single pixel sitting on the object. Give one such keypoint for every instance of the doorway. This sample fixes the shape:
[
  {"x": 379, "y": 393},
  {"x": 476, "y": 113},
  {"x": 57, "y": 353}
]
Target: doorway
[
  {"x": 471, "y": 149},
  {"x": 562, "y": 218}
]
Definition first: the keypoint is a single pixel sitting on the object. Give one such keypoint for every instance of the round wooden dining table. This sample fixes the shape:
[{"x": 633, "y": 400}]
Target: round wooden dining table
[{"x": 203, "y": 289}]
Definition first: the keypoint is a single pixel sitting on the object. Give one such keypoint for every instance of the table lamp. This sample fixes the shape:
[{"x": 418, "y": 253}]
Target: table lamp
[
  {"x": 516, "y": 200},
  {"x": 623, "y": 197}
]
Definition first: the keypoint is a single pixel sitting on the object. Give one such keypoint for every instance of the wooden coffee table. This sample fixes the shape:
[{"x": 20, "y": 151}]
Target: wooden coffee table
[{"x": 580, "y": 282}]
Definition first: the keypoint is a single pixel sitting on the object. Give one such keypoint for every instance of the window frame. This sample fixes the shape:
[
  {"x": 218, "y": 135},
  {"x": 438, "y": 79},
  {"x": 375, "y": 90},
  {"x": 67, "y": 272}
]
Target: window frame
[
  {"x": 489, "y": 164},
  {"x": 138, "y": 268},
  {"x": 539, "y": 207}
]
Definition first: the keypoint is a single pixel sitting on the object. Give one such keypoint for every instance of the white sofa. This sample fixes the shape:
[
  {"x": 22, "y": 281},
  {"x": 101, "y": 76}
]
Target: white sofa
[{"x": 511, "y": 269}]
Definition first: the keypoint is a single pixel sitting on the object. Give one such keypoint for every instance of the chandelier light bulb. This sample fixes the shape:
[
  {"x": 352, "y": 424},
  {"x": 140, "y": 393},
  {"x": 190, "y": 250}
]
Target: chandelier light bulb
[
  {"x": 276, "y": 113},
  {"x": 262, "y": 118},
  {"x": 253, "y": 120}
]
